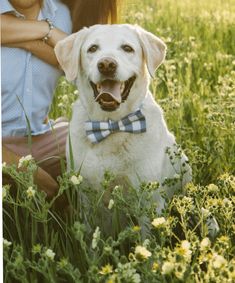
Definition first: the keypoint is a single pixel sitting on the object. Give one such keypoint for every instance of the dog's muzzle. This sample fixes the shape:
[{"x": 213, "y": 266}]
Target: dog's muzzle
[{"x": 110, "y": 93}]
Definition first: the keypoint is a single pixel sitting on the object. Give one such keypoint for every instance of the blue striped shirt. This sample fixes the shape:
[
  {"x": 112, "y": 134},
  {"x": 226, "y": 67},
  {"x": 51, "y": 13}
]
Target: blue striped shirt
[{"x": 29, "y": 79}]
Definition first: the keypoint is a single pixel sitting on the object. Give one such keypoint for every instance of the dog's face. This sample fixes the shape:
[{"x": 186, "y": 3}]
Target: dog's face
[{"x": 110, "y": 58}]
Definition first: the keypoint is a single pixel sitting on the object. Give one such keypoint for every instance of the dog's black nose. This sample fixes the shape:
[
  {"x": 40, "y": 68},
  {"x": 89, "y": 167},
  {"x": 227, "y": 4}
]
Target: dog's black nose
[{"x": 107, "y": 66}]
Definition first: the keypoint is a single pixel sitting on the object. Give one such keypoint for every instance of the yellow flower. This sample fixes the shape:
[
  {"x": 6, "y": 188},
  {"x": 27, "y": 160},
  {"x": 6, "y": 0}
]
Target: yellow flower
[
  {"x": 184, "y": 250},
  {"x": 30, "y": 192},
  {"x": 160, "y": 221},
  {"x": 112, "y": 279},
  {"x": 136, "y": 228},
  {"x": 107, "y": 269},
  {"x": 167, "y": 267},
  {"x": 155, "y": 266},
  {"x": 142, "y": 253}
]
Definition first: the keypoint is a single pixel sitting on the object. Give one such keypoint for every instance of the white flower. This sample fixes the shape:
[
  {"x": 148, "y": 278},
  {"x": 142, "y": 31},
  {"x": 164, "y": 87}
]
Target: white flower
[
  {"x": 24, "y": 161},
  {"x": 76, "y": 92},
  {"x": 6, "y": 243},
  {"x": 65, "y": 98},
  {"x": 218, "y": 261},
  {"x": 142, "y": 253},
  {"x": 111, "y": 203},
  {"x": 76, "y": 180},
  {"x": 185, "y": 245},
  {"x": 160, "y": 221},
  {"x": 96, "y": 237},
  {"x": 50, "y": 254},
  {"x": 30, "y": 192},
  {"x": 167, "y": 267},
  {"x": 4, "y": 165},
  {"x": 205, "y": 243}
]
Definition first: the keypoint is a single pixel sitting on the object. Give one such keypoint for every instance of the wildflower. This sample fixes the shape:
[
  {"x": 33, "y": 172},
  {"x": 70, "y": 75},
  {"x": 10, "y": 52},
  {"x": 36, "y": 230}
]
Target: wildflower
[
  {"x": 213, "y": 188},
  {"x": 136, "y": 228},
  {"x": 205, "y": 244},
  {"x": 96, "y": 237},
  {"x": 112, "y": 279},
  {"x": 75, "y": 92},
  {"x": 142, "y": 253},
  {"x": 24, "y": 161},
  {"x": 30, "y": 192},
  {"x": 184, "y": 250},
  {"x": 167, "y": 267},
  {"x": 107, "y": 269},
  {"x": 180, "y": 270},
  {"x": 65, "y": 98},
  {"x": 6, "y": 243},
  {"x": 76, "y": 180},
  {"x": 155, "y": 267},
  {"x": 152, "y": 186},
  {"x": 63, "y": 263},
  {"x": 111, "y": 203},
  {"x": 36, "y": 249},
  {"x": 50, "y": 254},
  {"x": 218, "y": 261},
  {"x": 4, "y": 165},
  {"x": 160, "y": 221}
]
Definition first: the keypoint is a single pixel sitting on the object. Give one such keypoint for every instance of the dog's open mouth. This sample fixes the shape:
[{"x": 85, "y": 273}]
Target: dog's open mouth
[{"x": 110, "y": 93}]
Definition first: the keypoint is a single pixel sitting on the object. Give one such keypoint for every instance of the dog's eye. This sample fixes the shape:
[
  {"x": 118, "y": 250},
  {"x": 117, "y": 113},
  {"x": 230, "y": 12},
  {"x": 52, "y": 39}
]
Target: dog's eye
[
  {"x": 127, "y": 48},
  {"x": 93, "y": 48}
]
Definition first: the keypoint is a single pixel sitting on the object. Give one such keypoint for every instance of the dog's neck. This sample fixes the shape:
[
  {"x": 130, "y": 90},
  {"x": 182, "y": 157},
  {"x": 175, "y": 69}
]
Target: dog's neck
[{"x": 133, "y": 102}]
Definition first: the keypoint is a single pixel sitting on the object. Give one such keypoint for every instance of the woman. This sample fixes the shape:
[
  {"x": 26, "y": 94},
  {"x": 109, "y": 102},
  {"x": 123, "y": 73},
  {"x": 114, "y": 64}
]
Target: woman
[{"x": 30, "y": 29}]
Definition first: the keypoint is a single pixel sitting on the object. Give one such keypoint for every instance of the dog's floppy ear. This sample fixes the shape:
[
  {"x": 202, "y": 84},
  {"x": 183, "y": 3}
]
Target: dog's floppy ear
[
  {"x": 153, "y": 47},
  {"x": 67, "y": 52}
]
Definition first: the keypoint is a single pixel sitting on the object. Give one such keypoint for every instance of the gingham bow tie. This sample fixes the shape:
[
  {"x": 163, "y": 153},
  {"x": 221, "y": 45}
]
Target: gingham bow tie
[{"x": 133, "y": 123}]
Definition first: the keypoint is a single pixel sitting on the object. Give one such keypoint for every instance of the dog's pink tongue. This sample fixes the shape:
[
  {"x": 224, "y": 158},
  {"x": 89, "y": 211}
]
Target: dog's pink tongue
[{"x": 110, "y": 91}]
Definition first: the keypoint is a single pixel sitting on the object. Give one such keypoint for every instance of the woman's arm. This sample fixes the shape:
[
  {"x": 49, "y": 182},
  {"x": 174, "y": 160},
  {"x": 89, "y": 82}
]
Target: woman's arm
[
  {"x": 15, "y": 30},
  {"x": 39, "y": 49},
  {"x": 28, "y": 34}
]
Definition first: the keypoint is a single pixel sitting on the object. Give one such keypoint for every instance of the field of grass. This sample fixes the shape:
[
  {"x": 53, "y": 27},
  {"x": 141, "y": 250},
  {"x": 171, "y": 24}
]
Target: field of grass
[{"x": 196, "y": 88}]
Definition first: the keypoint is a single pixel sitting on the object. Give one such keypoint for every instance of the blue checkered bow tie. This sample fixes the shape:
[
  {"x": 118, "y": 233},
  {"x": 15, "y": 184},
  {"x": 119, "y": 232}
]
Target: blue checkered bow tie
[{"x": 133, "y": 123}]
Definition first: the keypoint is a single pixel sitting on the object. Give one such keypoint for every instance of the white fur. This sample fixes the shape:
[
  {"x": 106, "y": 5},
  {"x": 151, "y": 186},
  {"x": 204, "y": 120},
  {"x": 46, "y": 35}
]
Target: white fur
[{"x": 134, "y": 158}]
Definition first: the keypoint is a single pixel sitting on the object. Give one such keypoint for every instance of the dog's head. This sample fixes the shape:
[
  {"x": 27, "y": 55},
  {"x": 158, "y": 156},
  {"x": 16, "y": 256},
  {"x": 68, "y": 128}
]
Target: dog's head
[{"x": 111, "y": 59}]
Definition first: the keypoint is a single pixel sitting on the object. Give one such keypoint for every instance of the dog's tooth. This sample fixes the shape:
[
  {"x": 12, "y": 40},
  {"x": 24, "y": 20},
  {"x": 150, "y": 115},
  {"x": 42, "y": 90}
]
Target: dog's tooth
[
  {"x": 122, "y": 86},
  {"x": 98, "y": 87}
]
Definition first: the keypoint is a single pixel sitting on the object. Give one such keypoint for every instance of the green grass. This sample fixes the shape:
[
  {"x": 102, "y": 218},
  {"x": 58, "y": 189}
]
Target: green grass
[{"x": 196, "y": 88}]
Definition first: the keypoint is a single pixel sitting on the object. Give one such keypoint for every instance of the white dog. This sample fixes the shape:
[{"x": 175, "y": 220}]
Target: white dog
[{"x": 109, "y": 64}]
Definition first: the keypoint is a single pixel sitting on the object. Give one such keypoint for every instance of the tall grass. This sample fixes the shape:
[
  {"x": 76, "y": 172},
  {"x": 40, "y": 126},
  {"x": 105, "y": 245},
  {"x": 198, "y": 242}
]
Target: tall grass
[{"x": 196, "y": 88}]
